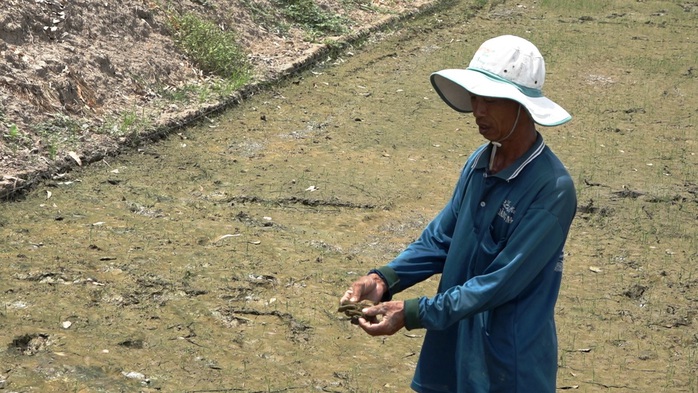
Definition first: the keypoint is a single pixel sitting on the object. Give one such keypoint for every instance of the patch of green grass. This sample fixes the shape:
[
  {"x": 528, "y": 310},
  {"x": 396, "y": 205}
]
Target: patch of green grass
[
  {"x": 311, "y": 18},
  {"x": 13, "y": 137},
  {"x": 278, "y": 17},
  {"x": 59, "y": 124},
  {"x": 199, "y": 92},
  {"x": 59, "y": 132},
  {"x": 480, "y": 4},
  {"x": 223, "y": 89},
  {"x": 12, "y": 132},
  {"x": 366, "y": 5},
  {"x": 129, "y": 124},
  {"x": 576, "y": 6},
  {"x": 129, "y": 121},
  {"x": 178, "y": 94},
  {"x": 267, "y": 17},
  {"x": 214, "y": 50}
]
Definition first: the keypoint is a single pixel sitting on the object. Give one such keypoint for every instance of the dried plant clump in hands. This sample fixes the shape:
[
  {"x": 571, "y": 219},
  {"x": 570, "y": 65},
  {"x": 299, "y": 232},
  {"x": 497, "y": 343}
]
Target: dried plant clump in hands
[{"x": 354, "y": 310}]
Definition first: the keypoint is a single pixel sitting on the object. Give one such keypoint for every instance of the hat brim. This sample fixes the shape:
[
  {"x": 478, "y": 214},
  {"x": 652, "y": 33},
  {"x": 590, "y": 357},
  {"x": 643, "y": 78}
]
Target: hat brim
[{"x": 454, "y": 86}]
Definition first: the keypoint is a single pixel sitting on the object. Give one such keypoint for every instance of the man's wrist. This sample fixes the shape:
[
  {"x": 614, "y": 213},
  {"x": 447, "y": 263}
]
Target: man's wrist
[
  {"x": 380, "y": 282},
  {"x": 390, "y": 281},
  {"x": 411, "y": 310}
]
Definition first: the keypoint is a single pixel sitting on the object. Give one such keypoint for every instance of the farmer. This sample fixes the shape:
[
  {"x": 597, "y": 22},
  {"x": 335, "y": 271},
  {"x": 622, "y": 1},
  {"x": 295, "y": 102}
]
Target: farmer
[{"x": 498, "y": 242}]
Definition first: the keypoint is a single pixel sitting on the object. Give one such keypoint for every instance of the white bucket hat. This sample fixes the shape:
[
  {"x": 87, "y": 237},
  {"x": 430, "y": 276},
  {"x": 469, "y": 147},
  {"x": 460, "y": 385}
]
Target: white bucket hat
[{"x": 503, "y": 67}]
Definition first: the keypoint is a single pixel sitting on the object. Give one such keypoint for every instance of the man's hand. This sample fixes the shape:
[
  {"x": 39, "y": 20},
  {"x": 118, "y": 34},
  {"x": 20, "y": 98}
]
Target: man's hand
[
  {"x": 392, "y": 318},
  {"x": 370, "y": 287},
  {"x": 392, "y": 314}
]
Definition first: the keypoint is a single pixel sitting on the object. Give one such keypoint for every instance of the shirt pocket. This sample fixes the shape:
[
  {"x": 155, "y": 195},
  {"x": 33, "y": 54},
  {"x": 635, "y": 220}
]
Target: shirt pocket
[
  {"x": 485, "y": 320},
  {"x": 487, "y": 250}
]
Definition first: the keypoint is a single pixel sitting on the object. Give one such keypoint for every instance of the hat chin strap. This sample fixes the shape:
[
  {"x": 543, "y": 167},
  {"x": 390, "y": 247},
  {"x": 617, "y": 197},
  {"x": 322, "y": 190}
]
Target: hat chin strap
[{"x": 496, "y": 144}]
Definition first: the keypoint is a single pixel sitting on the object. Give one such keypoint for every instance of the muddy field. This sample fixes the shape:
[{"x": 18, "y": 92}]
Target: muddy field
[{"x": 213, "y": 261}]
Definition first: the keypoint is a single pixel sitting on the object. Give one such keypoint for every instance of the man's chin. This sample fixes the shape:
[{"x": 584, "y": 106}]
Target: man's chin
[{"x": 486, "y": 133}]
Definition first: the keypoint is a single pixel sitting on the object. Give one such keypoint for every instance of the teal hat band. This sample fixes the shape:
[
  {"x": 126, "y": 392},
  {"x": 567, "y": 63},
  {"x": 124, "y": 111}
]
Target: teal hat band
[{"x": 528, "y": 91}]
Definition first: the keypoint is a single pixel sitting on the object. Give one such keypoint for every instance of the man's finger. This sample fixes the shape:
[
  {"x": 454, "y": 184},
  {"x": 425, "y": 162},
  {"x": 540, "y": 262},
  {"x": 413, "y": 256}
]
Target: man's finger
[
  {"x": 356, "y": 291},
  {"x": 373, "y": 327},
  {"x": 347, "y": 297},
  {"x": 373, "y": 311}
]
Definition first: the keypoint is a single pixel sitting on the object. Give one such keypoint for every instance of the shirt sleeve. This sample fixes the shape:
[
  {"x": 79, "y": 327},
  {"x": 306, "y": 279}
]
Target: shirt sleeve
[{"x": 426, "y": 256}]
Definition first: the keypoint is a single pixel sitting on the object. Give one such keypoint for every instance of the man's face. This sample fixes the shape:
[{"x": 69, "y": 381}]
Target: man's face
[{"x": 495, "y": 117}]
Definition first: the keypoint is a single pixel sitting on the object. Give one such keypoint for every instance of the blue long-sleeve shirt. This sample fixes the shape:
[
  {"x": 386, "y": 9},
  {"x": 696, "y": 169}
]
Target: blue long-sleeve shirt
[{"x": 498, "y": 245}]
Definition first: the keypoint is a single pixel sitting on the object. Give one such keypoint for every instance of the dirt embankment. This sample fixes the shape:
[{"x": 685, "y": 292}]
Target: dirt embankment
[{"x": 81, "y": 79}]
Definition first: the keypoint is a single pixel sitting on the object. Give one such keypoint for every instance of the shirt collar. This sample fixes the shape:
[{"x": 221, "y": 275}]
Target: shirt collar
[{"x": 513, "y": 170}]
